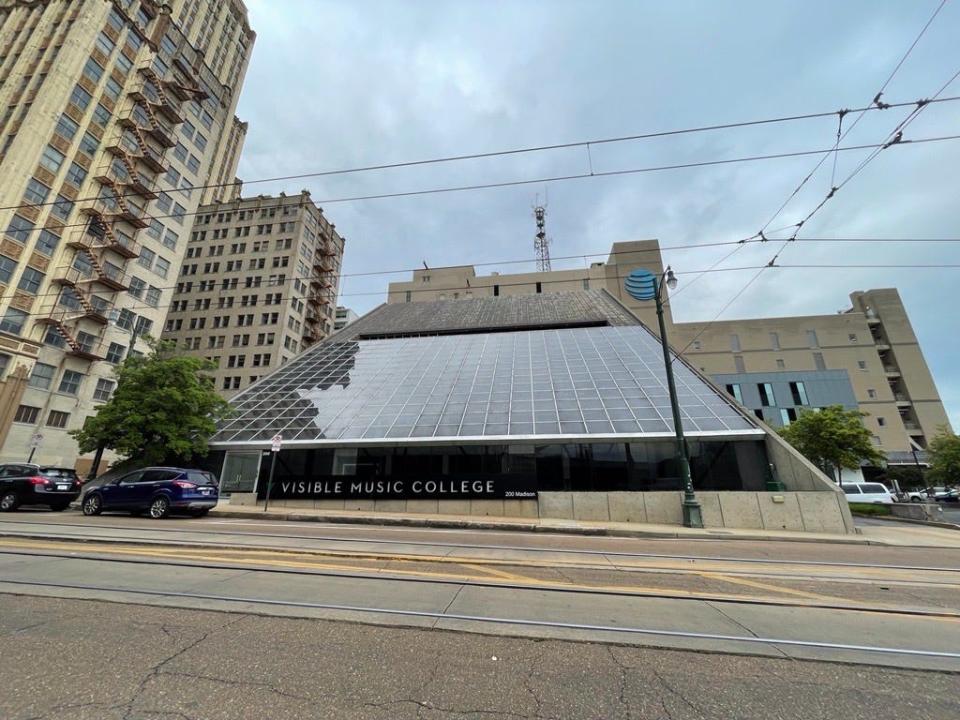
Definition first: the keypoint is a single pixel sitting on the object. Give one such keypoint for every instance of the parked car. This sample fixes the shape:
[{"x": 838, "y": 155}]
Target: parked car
[
  {"x": 916, "y": 496},
  {"x": 948, "y": 496},
  {"x": 868, "y": 493},
  {"x": 30, "y": 484},
  {"x": 157, "y": 491}
]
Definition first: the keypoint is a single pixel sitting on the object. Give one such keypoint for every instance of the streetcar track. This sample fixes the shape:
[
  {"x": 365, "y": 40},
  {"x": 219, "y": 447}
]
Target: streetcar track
[
  {"x": 534, "y": 585},
  {"x": 475, "y": 546},
  {"x": 448, "y": 558},
  {"x": 775, "y": 643}
]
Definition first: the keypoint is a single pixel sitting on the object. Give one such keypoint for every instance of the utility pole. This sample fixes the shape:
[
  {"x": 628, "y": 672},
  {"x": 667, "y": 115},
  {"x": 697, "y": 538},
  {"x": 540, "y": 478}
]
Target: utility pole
[{"x": 541, "y": 244}]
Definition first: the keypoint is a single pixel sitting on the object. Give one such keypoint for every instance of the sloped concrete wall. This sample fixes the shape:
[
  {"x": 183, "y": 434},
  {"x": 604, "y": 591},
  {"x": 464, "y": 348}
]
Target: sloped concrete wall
[{"x": 825, "y": 512}]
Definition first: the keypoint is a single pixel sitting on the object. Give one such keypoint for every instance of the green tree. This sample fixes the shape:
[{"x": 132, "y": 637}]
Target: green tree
[
  {"x": 833, "y": 438},
  {"x": 165, "y": 406},
  {"x": 944, "y": 454}
]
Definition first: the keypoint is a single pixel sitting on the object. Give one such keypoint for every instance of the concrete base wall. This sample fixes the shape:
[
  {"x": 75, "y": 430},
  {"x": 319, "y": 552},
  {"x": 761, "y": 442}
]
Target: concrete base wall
[{"x": 825, "y": 512}]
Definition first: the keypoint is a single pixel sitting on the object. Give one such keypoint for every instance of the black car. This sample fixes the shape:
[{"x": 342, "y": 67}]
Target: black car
[
  {"x": 157, "y": 490},
  {"x": 30, "y": 484}
]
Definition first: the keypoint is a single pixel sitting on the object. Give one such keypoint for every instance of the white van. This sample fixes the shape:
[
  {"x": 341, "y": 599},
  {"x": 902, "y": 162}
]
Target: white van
[{"x": 868, "y": 493}]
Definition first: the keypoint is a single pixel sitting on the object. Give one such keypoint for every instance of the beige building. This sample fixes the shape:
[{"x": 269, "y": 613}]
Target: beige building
[
  {"x": 872, "y": 342},
  {"x": 258, "y": 284},
  {"x": 111, "y": 114}
]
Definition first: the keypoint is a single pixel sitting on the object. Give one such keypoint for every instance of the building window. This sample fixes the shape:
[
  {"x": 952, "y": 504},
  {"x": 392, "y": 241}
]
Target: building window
[
  {"x": 781, "y": 364},
  {"x": 818, "y": 361},
  {"x": 739, "y": 364},
  {"x": 13, "y": 321},
  {"x": 799, "y": 393},
  {"x": 539, "y": 287},
  {"x": 104, "y": 390},
  {"x": 734, "y": 390},
  {"x": 871, "y": 393},
  {"x": 7, "y": 266},
  {"x": 115, "y": 353},
  {"x": 27, "y": 414},
  {"x": 766, "y": 394},
  {"x": 80, "y": 97},
  {"x": 66, "y": 127},
  {"x": 787, "y": 416},
  {"x": 812, "y": 339},
  {"x": 852, "y": 337},
  {"x": 57, "y": 419},
  {"x": 52, "y": 159},
  {"x": 42, "y": 376},
  {"x": 70, "y": 382},
  {"x": 862, "y": 364},
  {"x": 775, "y": 341},
  {"x": 759, "y": 413},
  {"x": 47, "y": 242},
  {"x": 882, "y": 422},
  {"x": 75, "y": 175},
  {"x": 586, "y": 283},
  {"x": 31, "y": 280},
  {"x": 735, "y": 342},
  {"x": 36, "y": 193},
  {"x": 62, "y": 208},
  {"x": 19, "y": 229},
  {"x": 4, "y": 363}
]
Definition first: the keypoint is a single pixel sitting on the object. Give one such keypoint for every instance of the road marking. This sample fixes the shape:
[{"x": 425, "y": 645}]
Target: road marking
[{"x": 774, "y": 588}]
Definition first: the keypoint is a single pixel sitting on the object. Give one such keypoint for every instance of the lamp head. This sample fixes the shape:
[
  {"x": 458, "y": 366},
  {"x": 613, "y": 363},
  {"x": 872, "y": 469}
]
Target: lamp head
[{"x": 671, "y": 279}]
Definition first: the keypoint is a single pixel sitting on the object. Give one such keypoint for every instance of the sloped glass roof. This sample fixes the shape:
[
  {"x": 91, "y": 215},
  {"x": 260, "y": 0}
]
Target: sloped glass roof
[{"x": 536, "y": 385}]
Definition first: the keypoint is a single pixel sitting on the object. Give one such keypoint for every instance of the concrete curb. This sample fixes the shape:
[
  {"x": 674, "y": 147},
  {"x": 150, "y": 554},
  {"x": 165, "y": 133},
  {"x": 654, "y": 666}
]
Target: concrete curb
[
  {"x": 526, "y": 526},
  {"x": 912, "y": 521}
]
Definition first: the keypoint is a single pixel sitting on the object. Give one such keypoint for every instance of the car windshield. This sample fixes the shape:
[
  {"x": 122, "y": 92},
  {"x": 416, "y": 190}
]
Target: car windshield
[{"x": 201, "y": 477}]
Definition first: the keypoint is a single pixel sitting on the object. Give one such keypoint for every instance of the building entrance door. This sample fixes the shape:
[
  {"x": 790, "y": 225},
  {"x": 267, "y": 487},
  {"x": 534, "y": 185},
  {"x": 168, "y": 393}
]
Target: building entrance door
[{"x": 240, "y": 471}]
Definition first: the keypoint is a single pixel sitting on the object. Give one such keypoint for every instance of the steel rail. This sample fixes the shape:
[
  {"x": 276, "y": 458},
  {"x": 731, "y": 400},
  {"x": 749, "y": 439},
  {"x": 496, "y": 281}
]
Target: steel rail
[
  {"x": 478, "y": 546},
  {"x": 492, "y": 620},
  {"x": 535, "y": 585}
]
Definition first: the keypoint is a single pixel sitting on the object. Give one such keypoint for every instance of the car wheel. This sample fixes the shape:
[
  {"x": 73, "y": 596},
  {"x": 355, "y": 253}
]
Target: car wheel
[
  {"x": 92, "y": 505},
  {"x": 199, "y": 513},
  {"x": 159, "y": 507},
  {"x": 60, "y": 507},
  {"x": 9, "y": 501}
]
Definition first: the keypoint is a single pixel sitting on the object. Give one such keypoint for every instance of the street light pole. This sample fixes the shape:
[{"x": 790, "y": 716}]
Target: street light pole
[
  {"x": 644, "y": 285},
  {"x": 134, "y": 334}
]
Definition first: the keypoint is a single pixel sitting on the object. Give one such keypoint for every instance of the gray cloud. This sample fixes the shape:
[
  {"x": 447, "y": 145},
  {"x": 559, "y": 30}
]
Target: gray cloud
[{"x": 339, "y": 84}]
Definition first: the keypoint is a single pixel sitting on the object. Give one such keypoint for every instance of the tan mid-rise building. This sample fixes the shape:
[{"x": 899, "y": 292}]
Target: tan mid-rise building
[
  {"x": 867, "y": 357},
  {"x": 258, "y": 284},
  {"x": 113, "y": 115}
]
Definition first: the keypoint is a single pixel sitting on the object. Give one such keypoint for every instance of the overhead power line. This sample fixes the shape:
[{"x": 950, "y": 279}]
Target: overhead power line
[
  {"x": 894, "y": 137},
  {"x": 583, "y": 256},
  {"x": 580, "y": 176},
  {"x": 261, "y": 308},
  {"x": 506, "y": 153}
]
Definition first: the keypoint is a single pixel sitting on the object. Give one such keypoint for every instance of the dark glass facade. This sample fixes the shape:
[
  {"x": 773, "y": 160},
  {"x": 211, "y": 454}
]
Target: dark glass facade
[{"x": 647, "y": 466}]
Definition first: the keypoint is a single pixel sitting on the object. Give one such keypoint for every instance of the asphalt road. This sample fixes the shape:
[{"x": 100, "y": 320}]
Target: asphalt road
[
  {"x": 84, "y": 660},
  {"x": 891, "y": 606}
]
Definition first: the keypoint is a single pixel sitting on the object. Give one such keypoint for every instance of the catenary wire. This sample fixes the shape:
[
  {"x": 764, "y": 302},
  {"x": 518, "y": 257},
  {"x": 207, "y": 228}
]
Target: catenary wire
[
  {"x": 268, "y": 308},
  {"x": 499, "y": 153},
  {"x": 584, "y": 256},
  {"x": 875, "y": 104},
  {"x": 579, "y": 176}
]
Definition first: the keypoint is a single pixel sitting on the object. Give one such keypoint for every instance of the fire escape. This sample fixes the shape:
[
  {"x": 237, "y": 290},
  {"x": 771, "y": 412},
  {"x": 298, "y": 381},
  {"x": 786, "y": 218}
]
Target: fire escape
[
  {"x": 321, "y": 300},
  {"x": 108, "y": 241}
]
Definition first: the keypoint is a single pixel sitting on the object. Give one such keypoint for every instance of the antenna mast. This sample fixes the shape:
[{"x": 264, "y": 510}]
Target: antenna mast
[{"x": 541, "y": 243}]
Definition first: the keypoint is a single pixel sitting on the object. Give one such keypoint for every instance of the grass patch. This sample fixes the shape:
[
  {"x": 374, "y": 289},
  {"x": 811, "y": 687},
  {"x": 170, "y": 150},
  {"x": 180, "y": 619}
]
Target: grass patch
[{"x": 869, "y": 509}]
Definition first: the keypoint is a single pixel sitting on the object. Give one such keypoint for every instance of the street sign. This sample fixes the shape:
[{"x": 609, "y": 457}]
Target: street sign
[
  {"x": 276, "y": 442},
  {"x": 36, "y": 439}
]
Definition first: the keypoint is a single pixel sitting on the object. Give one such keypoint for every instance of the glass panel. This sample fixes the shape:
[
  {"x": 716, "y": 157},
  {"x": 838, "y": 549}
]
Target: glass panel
[{"x": 549, "y": 382}]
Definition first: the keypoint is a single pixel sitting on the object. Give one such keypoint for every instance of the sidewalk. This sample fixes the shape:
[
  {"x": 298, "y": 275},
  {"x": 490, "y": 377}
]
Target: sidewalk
[{"x": 919, "y": 536}]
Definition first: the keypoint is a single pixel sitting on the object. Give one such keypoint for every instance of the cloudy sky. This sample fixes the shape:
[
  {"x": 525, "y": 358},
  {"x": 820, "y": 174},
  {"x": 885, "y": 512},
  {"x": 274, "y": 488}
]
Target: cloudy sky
[{"x": 344, "y": 84}]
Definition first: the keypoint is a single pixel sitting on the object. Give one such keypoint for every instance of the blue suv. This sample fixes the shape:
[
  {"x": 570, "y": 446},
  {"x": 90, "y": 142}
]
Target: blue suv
[{"x": 154, "y": 490}]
